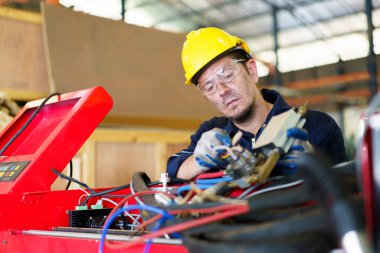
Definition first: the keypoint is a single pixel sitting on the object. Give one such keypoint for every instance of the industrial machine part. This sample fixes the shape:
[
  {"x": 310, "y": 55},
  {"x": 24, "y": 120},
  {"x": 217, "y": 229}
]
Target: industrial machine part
[
  {"x": 368, "y": 164},
  {"x": 241, "y": 209},
  {"x": 35, "y": 147},
  {"x": 275, "y": 133},
  {"x": 30, "y": 144},
  {"x": 246, "y": 167}
]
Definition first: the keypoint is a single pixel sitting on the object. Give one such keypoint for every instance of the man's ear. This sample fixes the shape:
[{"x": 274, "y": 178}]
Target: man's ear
[{"x": 252, "y": 69}]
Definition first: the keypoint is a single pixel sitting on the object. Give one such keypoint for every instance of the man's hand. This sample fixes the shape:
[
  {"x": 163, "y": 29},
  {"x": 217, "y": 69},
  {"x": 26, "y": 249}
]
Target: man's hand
[
  {"x": 205, "y": 154},
  {"x": 287, "y": 164}
]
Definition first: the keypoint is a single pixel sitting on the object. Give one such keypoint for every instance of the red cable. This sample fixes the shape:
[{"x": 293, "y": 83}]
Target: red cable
[
  {"x": 192, "y": 210},
  {"x": 239, "y": 209},
  {"x": 122, "y": 202},
  {"x": 211, "y": 175}
]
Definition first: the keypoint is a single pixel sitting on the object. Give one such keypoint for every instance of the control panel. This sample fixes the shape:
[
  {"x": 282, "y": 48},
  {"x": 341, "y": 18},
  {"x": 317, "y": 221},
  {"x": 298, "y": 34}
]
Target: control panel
[{"x": 9, "y": 171}]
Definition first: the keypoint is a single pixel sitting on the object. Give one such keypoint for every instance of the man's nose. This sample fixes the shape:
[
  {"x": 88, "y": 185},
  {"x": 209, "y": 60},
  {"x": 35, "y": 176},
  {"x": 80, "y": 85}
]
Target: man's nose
[{"x": 222, "y": 87}]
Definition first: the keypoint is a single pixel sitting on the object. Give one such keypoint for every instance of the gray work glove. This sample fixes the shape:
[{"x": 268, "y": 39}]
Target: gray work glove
[{"x": 205, "y": 155}]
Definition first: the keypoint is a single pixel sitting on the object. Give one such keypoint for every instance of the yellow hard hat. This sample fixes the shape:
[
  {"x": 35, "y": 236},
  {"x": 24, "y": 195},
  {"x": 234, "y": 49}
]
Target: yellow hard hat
[{"x": 204, "y": 45}]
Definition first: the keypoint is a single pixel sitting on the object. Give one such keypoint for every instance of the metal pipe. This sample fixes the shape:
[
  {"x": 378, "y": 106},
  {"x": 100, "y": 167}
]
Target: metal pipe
[
  {"x": 97, "y": 236},
  {"x": 277, "y": 74},
  {"x": 371, "y": 64},
  {"x": 123, "y": 3}
]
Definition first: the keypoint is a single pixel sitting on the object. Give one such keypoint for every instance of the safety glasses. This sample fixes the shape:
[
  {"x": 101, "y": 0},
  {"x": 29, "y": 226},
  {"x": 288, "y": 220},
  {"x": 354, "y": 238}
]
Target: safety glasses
[{"x": 224, "y": 75}]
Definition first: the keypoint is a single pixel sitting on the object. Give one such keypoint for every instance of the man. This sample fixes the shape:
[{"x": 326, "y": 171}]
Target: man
[{"x": 225, "y": 73}]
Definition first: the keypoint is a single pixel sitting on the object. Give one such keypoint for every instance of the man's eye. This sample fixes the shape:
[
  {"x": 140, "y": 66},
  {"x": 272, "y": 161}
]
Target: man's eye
[
  {"x": 208, "y": 86},
  {"x": 228, "y": 75}
]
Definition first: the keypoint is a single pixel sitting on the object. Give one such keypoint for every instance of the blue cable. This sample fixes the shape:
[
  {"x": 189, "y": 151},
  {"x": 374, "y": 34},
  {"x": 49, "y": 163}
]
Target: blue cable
[
  {"x": 155, "y": 228},
  {"x": 187, "y": 188},
  {"x": 214, "y": 180},
  {"x": 164, "y": 214}
]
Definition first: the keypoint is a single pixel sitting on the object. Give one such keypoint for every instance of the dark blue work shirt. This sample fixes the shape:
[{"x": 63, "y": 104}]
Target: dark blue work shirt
[{"x": 323, "y": 133}]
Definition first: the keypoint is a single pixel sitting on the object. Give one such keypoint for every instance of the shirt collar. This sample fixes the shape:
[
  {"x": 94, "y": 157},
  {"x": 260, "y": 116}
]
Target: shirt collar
[
  {"x": 271, "y": 96},
  {"x": 275, "y": 98}
]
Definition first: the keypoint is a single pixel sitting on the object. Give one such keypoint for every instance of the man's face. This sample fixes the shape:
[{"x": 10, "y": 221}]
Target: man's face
[{"x": 234, "y": 98}]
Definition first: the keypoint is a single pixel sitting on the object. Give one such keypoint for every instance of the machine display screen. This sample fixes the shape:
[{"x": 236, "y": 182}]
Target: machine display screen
[
  {"x": 46, "y": 134},
  {"x": 38, "y": 130}
]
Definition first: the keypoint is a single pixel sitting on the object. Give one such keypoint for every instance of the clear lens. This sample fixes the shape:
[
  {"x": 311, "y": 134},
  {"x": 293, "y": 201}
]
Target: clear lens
[{"x": 224, "y": 75}]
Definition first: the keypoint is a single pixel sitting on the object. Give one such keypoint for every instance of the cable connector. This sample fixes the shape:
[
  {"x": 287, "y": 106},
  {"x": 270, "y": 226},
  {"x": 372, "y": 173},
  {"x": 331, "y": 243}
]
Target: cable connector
[
  {"x": 163, "y": 199},
  {"x": 81, "y": 208},
  {"x": 98, "y": 205},
  {"x": 164, "y": 179}
]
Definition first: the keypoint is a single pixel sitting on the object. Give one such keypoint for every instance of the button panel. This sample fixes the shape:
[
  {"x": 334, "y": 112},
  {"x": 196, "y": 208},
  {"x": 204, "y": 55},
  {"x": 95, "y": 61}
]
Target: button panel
[{"x": 9, "y": 171}]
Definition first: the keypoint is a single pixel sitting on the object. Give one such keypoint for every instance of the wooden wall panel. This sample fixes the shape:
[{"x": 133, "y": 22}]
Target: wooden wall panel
[
  {"x": 116, "y": 162},
  {"x": 140, "y": 67},
  {"x": 110, "y": 156},
  {"x": 175, "y": 148},
  {"x": 22, "y": 58}
]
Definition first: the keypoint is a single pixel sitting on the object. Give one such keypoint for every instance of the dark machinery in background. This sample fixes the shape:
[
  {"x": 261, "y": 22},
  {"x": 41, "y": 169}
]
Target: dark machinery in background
[{"x": 280, "y": 198}]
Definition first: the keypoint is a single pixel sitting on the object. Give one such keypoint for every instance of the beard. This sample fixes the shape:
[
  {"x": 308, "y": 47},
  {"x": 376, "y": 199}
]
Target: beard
[{"x": 244, "y": 116}]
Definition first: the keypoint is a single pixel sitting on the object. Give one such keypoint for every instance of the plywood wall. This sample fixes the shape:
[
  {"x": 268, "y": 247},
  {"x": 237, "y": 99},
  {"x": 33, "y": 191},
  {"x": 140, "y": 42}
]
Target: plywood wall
[
  {"x": 140, "y": 67},
  {"x": 22, "y": 60},
  {"x": 110, "y": 157}
]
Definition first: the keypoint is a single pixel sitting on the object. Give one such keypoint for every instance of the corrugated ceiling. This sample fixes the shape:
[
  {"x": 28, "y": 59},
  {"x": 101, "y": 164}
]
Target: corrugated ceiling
[{"x": 311, "y": 32}]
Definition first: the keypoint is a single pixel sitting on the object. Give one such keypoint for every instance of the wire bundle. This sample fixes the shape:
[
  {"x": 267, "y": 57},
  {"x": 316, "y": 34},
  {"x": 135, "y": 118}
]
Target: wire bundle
[{"x": 205, "y": 215}]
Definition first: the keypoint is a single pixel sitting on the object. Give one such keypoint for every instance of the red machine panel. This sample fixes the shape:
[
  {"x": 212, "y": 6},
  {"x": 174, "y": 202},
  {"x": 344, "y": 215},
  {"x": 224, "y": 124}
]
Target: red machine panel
[
  {"x": 51, "y": 139},
  {"x": 47, "y": 134}
]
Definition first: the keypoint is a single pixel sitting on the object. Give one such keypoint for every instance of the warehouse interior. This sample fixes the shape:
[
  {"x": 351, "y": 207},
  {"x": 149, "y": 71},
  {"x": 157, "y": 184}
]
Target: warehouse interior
[{"x": 323, "y": 52}]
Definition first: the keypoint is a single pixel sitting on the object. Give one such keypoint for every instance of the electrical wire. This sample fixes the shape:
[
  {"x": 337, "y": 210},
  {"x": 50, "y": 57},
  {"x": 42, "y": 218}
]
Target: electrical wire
[
  {"x": 135, "y": 220},
  {"x": 211, "y": 175},
  {"x": 275, "y": 188},
  {"x": 184, "y": 188},
  {"x": 258, "y": 185},
  {"x": 111, "y": 217},
  {"x": 155, "y": 228},
  {"x": 234, "y": 209},
  {"x": 190, "y": 209},
  {"x": 123, "y": 201},
  {"x": 72, "y": 179},
  {"x": 229, "y": 151},
  {"x": 214, "y": 180},
  {"x": 249, "y": 189},
  {"x": 97, "y": 194},
  {"x": 70, "y": 175},
  {"x": 80, "y": 198},
  {"x": 173, "y": 181},
  {"x": 83, "y": 190},
  {"x": 26, "y": 124},
  {"x": 86, "y": 194},
  {"x": 138, "y": 200}
]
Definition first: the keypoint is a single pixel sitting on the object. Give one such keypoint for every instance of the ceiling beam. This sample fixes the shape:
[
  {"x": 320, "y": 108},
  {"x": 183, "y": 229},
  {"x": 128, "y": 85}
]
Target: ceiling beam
[
  {"x": 316, "y": 21},
  {"x": 204, "y": 11},
  {"x": 348, "y": 98},
  {"x": 323, "y": 82},
  {"x": 263, "y": 14},
  {"x": 313, "y": 40},
  {"x": 190, "y": 13},
  {"x": 193, "y": 12}
]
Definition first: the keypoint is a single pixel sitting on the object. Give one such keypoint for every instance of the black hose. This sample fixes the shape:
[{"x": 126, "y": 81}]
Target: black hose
[
  {"x": 316, "y": 168},
  {"x": 280, "y": 199}
]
